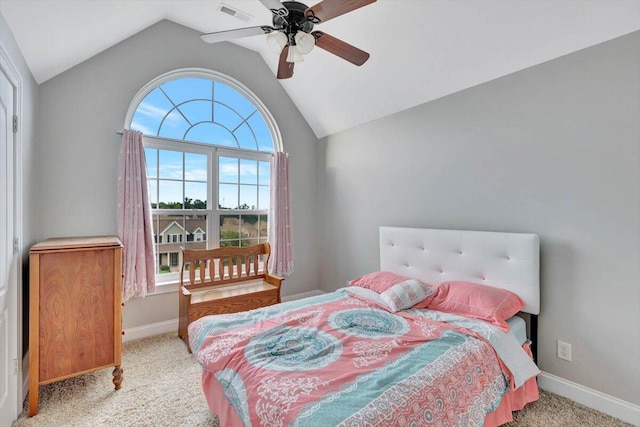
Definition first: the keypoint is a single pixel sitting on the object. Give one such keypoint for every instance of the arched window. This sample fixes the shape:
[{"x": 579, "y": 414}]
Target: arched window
[{"x": 208, "y": 144}]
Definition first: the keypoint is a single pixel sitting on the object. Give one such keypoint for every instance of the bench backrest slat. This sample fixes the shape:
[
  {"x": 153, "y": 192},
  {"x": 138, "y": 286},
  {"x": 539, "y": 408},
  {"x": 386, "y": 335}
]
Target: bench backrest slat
[{"x": 230, "y": 262}]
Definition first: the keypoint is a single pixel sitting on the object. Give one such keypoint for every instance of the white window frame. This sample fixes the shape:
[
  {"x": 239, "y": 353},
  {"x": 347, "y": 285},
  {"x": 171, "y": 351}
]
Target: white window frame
[
  {"x": 213, "y": 212},
  {"x": 168, "y": 282}
]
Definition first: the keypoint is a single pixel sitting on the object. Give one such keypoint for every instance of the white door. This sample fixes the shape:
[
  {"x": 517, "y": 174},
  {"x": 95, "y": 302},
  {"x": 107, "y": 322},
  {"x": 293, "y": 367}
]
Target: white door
[{"x": 8, "y": 263}]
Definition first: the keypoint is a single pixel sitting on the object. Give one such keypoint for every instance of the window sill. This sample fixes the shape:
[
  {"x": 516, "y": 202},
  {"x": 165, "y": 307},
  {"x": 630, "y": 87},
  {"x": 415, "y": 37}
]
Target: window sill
[{"x": 166, "y": 288}]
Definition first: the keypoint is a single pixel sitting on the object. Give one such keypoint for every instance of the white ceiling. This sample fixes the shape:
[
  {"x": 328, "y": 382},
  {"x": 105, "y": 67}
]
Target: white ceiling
[{"x": 420, "y": 49}]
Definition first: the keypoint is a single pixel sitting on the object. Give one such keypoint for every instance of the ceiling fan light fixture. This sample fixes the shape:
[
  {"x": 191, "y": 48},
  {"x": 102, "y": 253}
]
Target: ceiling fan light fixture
[
  {"x": 305, "y": 42},
  {"x": 294, "y": 55},
  {"x": 277, "y": 41}
]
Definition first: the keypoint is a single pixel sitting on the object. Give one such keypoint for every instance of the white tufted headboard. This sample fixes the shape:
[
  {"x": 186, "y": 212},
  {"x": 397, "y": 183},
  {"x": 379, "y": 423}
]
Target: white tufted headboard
[{"x": 506, "y": 260}]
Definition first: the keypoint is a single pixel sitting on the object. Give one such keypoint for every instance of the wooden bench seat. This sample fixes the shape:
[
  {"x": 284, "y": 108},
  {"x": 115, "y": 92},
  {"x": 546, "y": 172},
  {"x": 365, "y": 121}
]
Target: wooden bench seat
[{"x": 238, "y": 283}]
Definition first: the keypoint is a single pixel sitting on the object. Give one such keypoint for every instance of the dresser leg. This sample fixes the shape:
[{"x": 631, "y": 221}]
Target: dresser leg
[
  {"x": 33, "y": 399},
  {"x": 117, "y": 376}
]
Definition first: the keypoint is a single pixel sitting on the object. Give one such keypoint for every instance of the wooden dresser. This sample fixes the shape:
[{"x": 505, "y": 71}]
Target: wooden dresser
[{"x": 75, "y": 323}]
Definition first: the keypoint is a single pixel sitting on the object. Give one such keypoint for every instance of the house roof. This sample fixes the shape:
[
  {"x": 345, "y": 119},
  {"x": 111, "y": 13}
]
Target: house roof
[{"x": 420, "y": 50}]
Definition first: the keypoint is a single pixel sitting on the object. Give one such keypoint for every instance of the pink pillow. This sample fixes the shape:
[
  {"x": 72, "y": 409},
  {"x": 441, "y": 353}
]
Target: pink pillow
[
  {"x": 379, "y": 281},
  {"x": 483, "y": 302}
]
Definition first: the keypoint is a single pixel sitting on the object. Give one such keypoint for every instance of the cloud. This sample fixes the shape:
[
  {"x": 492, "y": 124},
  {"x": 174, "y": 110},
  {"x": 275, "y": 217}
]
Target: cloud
[
  {"x": 151, "y": 111},
  {"x": 195, "y": 174},
  {"x": 156, "y": 114}
]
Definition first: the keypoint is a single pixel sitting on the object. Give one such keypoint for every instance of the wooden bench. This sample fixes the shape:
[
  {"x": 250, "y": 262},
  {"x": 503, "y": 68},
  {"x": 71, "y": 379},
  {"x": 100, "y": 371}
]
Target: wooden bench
[{"x": 224, "y": 280}]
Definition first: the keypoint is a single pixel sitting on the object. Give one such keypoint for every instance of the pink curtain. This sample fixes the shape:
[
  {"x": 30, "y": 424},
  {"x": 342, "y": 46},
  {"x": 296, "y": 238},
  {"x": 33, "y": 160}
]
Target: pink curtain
[
  {"x": 134, "y": 218},
  {"x": 280, "y": 231}
]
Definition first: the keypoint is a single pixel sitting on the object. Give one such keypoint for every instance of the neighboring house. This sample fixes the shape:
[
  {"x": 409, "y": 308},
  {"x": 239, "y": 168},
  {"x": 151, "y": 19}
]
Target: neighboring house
[
  {"x": 174, "y": 232},
  {"x": 171, "y": 234}
]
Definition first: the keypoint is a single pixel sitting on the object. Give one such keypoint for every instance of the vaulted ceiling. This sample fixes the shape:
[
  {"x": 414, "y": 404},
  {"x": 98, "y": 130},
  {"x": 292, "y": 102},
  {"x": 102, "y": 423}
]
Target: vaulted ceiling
[{"x": 420, "y": 50}]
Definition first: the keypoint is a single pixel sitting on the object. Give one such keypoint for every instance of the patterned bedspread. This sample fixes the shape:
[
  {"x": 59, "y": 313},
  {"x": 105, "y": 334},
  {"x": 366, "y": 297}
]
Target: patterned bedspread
[{"x": 340, "y": 359}]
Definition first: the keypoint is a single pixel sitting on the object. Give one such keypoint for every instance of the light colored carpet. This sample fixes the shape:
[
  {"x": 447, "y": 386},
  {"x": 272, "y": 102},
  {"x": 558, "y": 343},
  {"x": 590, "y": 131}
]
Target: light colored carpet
[{"x": 161, "y": 387}]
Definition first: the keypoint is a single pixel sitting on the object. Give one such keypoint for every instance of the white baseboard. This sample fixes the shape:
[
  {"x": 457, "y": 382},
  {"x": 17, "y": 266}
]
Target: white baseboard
[
  {"x": 618, "y": 408},
  {"x": 150, "y": 330}
]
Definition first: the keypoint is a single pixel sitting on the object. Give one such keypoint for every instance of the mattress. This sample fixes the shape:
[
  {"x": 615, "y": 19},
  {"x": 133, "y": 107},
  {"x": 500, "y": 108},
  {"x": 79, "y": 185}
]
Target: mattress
[{"x": 518, "y": 328}]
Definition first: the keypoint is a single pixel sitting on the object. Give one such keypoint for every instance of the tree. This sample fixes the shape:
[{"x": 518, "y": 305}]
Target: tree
[
  {"x": 232, "y": 238},
  {"x": 189, "y": 203}
]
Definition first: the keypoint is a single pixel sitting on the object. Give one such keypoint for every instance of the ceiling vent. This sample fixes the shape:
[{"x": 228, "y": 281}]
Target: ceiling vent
[{"x": 232, "y": 11}]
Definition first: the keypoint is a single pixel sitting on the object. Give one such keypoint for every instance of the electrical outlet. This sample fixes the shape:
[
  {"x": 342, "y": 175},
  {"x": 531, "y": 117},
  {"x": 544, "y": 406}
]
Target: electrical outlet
[{"x": 564, "y": 351}]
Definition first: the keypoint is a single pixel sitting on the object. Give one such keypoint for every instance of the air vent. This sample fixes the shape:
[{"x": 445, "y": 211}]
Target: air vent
[{"x": 232, "y": 11}]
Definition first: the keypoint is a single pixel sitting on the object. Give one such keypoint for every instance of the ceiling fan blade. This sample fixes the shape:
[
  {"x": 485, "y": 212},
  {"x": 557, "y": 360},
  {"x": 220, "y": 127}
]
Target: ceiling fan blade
[
  {"x": 285, "y": 69},
  {"x": 342, "y": 49},
  {"x": 275, "y": 7},
  {"x": 329, "y": 9},
  {"x": 222, "y": 36}
]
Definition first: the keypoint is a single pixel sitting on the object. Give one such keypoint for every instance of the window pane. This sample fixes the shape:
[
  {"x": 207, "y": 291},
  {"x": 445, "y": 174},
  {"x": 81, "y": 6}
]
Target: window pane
[
  {"x": 211, "y": 133},
  {"x": 174, "y": 126},
  {"x": 196, "y": 228},
  {"x": 261, "y": 130},
  {"x": 264, "y": 173},
  {"x": 229, "y": 230},
  {"x": 150, "y": 112},
  {"x": 245, "y": 137},
  {"x": 186, "y": 88},
  {"x": 248, "y": 197},
  {"x": 170, "y": 196},
  {"x": 151, "y": 158},
  {"x": 242, "y": 230},
  {"x": 228, "y": 196},
  {"x": 248, "y": 171},
  {"x": 153, "y": 193},
  {"x": 195, "y": 167},
  {"x": 233, "y": 98},
  {"x": 263, "y": 197},
  {"x": 249, "y": 226},
  {"x": 225, "y": 116},
  {"x": 263, "y": 228},
  {"x": 197, "y": 111},
  {"x": 170, "y": 164},
  {"x": 228, "y": 170},
  {"x": 248, "y": 242},
  {"x": 195, "y": 194},
  {"x": 168, "y": 233}
]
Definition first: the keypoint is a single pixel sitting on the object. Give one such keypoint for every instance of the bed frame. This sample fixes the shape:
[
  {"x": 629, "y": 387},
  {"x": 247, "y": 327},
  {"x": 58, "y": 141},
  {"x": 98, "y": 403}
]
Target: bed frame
[{"x": 505, "y": 260}]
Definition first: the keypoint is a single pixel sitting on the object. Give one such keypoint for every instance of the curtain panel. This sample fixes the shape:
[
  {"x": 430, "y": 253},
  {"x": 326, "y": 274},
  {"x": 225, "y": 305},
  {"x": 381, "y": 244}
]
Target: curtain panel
[
  {"x": 134, "y": 218},
  {"x": 280, "y": 230}
]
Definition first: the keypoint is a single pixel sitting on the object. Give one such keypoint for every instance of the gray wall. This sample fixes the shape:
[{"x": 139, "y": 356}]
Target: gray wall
[
  {"x": 27, "y": 117},
  {"x": 82, "y": 108},
  {"x": 553, "y": 150},
  {"x": 28, "y": 180}
]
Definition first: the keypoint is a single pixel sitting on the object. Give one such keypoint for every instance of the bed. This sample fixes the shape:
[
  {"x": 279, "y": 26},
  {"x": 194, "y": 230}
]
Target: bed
[{"x": 353, "y": 358}]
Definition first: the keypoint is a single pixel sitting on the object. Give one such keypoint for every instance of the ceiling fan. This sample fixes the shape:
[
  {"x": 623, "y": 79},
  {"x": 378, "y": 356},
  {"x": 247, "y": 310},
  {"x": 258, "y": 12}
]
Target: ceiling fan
[{"x": 291, "y": 35}]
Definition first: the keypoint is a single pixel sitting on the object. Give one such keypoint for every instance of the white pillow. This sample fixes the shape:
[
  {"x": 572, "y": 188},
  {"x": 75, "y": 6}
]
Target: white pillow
[{"x": 406, "y": 294}]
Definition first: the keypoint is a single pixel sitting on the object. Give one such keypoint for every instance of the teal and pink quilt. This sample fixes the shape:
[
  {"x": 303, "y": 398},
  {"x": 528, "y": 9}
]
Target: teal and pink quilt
[{"x": 341, "y": 359}]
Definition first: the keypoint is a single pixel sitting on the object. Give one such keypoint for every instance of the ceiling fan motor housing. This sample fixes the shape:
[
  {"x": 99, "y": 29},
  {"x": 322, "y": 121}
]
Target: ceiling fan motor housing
[{"x": 294, "y": 22}]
